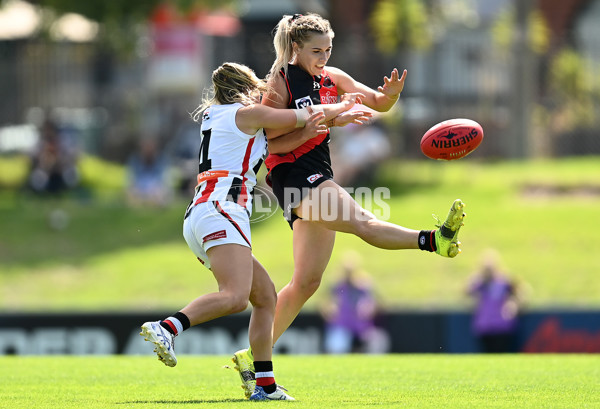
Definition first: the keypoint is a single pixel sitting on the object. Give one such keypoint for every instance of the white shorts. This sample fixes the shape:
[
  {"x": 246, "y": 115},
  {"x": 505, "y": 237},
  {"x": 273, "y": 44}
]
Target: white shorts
[{"x": 215, "y": 223}]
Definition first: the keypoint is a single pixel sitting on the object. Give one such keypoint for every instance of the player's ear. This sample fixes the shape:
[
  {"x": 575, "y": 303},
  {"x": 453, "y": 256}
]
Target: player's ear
[{"x": 295, "y": 47}]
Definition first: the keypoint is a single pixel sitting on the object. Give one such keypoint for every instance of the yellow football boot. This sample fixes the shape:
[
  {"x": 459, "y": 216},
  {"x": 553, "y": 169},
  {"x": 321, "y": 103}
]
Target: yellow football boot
[
  {"x": 244, "y": 364},
  {"x": 446, "y": 236}
]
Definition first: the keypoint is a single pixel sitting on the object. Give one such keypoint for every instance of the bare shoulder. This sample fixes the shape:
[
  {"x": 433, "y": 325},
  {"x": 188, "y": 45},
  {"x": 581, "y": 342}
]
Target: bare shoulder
[
  {"x": 252, "y": 111},
  {"x": 342, "y": 79},
  {"x": 335, "y": 71},
  {"x": 247, "y": 118},
  {"x": 278, "y": 94}
]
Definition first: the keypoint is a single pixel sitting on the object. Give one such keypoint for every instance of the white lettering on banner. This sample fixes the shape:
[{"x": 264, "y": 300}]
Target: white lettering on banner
[
  {"x": 137, "y": 346},
  {"x": 101, "y": 341},
  {"x": 13, "y": 341},
  {"x": 53, "y": 341},
  {"x": 299, "y": 341},
  {"x": 219, "y": 341}
]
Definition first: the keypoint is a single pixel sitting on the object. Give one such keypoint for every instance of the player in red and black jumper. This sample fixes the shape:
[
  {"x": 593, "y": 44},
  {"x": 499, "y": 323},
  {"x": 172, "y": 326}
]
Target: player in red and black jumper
[
  {"x": 300, "y": 77},
  {"x": 300, "y": 166}
]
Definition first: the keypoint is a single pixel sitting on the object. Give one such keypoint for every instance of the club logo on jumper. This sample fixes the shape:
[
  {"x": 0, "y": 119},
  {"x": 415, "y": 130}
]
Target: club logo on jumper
[
  {"x": 303, "y": 102},
  {"x": 314, "y": 177},
  {"x": 327, "y": 83},
  {"x": 205, "y": 115}
]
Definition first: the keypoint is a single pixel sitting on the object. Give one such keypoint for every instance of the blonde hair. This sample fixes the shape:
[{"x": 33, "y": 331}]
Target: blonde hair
[
  {"x": 295, "y": 29},
  {"x": 231, "y": 83}
]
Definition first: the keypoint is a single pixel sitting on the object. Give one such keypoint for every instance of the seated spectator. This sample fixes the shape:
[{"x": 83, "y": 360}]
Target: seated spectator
[
  {"x": 148, "y": 182},
  {"x": 350, "y": 314},
  {"x": 498, "y": 299},
  {"x": 359, "y": 150},
  {"x": 53, "y": 163}
]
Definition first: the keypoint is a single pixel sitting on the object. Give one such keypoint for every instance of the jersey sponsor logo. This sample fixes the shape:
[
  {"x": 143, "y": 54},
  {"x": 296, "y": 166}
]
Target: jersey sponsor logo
[
  {"x": 328, "y": 98},
  {"x": 316, "y": 85},
  {"x": 313, "y": 178},
  {"x": 303, "y": 102},
  {"x": 221, "y": 234},
  {"x": 211, "y": 174},
  {"x": 205, "y": 115}
]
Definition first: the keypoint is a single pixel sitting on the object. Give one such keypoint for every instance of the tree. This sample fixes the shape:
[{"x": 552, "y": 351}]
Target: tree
[
  {"x": 104, "y": 11},
  {"x": 120, "y": 22},
  {"x": 398, "y": 23}
]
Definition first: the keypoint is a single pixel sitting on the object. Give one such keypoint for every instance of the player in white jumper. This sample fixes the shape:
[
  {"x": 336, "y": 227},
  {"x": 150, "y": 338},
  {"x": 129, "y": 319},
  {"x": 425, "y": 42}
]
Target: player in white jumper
[{"x": 217, "y": 221}]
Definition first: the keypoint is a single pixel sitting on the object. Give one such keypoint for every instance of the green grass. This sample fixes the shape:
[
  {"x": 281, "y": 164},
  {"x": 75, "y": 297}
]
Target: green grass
[
  {"x": 352, "y": 381},
  {"x": 542, "y": 217}
]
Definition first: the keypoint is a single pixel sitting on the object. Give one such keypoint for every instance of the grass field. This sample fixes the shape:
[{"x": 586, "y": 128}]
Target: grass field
[
  {"x": 325, "y": 382},
  {"x": 542, "y": 216}
]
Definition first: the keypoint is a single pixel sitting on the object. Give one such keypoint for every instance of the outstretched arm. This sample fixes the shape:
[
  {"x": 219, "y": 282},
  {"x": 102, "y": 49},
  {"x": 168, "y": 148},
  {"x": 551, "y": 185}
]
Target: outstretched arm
[
  {"x": 286, "y": 139},
  {"x": 381, "y": 100},
  {"x": 281, "y": 144},
  {"x": 253, "y": 117}
]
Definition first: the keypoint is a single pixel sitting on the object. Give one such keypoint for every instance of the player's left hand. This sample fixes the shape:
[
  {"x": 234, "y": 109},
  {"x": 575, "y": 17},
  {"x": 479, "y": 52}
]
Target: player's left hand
[{"x": 393, "y": 86}]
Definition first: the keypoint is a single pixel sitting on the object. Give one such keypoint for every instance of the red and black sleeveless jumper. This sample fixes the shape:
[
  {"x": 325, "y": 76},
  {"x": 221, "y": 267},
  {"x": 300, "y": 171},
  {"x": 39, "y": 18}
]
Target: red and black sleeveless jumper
[{"x": 293, "y": 174}]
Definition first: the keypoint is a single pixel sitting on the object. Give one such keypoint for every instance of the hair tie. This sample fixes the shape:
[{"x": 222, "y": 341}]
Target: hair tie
[{"x": 295, "y": 17}]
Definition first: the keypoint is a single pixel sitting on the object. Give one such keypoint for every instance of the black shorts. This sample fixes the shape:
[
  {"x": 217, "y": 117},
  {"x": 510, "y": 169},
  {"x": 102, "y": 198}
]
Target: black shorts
[{"x": 291, "y": 182}]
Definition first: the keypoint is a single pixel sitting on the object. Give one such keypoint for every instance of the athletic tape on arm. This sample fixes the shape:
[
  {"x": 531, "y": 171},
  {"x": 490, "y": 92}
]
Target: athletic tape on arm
[
  {"x": 301, "y": 117},
  {"x": 303, "y": 114}
]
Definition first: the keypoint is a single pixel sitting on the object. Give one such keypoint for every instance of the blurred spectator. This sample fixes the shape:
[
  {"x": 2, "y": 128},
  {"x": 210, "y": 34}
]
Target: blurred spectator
[
  {"x": 183, "y": 152},
  {"x": 54, "y": 162},
  {"x": 359, "y": 148},
  {"x": 148, "y": 182},
  {"x": 350, "y": 314},
  {"x": 498, "y": 301}
]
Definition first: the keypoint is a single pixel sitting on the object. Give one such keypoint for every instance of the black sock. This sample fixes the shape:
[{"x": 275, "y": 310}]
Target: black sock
[
  {"x": 185, "y": 321},
  {"x": 427, "y": 240},
  {"x": 170, "y": 324},
  {"x": 267, "y": 383}
]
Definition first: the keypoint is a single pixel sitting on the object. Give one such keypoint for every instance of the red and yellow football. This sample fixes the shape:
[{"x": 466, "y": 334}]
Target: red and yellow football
[{"x": 452, "y": 139}]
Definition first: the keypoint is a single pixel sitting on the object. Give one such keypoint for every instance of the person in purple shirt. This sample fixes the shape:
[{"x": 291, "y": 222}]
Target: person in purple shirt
[
  {"x": 350, "y": 314},
  {"x": 495, "y": 317}
]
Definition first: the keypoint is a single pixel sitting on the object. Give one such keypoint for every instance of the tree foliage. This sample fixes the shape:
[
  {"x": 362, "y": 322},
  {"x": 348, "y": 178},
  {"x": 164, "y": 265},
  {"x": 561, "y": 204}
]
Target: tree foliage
[
  {"x": 117, "y": 10},
  {"x": 538, "y": 34},
  {"x": 400, "y": 22},
  {"x": 120, "y": 21}
]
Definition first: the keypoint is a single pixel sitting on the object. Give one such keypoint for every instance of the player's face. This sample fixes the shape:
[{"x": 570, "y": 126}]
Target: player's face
[{"x": 315, "y": 53}]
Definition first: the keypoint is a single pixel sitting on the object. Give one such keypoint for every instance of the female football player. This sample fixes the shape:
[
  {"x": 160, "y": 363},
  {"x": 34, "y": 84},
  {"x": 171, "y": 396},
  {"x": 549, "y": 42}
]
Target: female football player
[
  {"x": 300, "y": 171},
  {"x": 216, "y": 226}
]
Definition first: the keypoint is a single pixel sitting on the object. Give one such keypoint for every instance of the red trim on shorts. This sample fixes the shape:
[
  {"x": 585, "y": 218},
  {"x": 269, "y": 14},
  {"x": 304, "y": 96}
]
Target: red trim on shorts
[
  {"x": 221, "y": 234},
  {"x": 228, "y": 217}
]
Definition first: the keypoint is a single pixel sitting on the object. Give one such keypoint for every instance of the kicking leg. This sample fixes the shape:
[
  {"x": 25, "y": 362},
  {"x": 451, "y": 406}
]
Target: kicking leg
[{"x": 332, "y": 207}]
